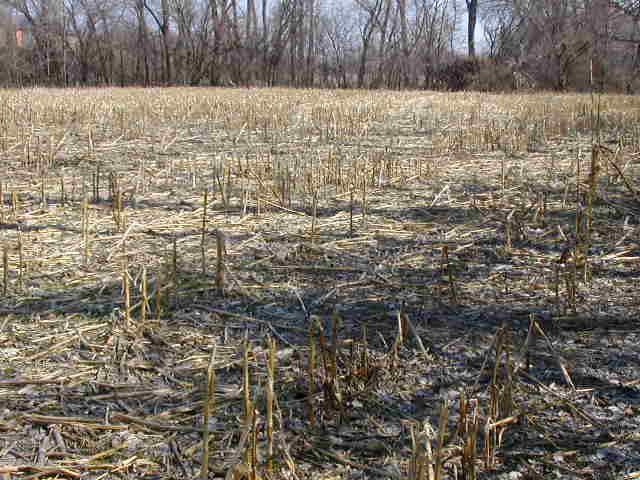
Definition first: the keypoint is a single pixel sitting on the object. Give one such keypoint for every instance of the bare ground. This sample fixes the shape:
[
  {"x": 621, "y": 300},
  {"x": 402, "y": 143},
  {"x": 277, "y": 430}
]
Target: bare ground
[{"x": 452, "y": 249}]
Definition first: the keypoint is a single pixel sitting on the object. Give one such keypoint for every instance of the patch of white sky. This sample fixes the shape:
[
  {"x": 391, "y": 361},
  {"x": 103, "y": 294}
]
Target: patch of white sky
[{"x": 457, "y": 9}]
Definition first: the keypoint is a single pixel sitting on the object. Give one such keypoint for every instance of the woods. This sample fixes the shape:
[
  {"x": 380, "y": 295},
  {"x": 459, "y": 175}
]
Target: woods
[{"x": 495, "y": 45}]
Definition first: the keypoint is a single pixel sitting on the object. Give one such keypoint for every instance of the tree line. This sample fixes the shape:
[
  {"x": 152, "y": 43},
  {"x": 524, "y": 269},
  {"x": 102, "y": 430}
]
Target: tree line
[{"x": 435, "y": 44}]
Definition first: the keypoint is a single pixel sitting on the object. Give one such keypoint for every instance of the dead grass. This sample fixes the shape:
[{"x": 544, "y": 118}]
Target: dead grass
[{"x": 451, "y": 281}]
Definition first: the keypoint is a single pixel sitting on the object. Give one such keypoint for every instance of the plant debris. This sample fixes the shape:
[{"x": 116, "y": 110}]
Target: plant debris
[{"x": 344, "y": 284}]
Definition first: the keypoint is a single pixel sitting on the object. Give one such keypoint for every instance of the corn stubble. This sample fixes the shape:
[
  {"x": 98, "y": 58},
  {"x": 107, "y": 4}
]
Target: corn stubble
[{"x": 383, "y": 199}]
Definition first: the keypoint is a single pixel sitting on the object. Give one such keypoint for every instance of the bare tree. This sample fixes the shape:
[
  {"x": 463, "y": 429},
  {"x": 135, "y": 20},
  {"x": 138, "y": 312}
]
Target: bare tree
[
  {"x": 370, "y": 10},
  {"x": 472, "y": 19},
  {"x": 159, "y": 12},
  {"x": 311, "y": 41},
  {"x": 366, "y": 43},
  {"x": 385, "y": 40},
  {"x": 44, "y": 20},
  {"x": 194, "y": 32},
  {"x": 278, "y": 38},
  {"x": 336, "y": 44}
]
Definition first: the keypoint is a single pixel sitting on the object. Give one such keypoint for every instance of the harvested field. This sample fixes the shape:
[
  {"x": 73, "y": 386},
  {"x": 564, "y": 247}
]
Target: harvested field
[{"x": 319, "y": 284}]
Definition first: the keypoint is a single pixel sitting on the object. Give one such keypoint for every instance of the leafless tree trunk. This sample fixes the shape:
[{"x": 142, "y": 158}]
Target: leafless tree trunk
[
  {"x": 194, "y": 26},
  {"x": 161, "y": 17},
  {"x": 265, "y": 43},
  {"x": 311, "y": 43},
  {"x": 216, "y": 51},
  {"x": 294, "y": 41},
  {"x": 371, "y": 11},
  {"x": 142, "y": 59},
  {"x": 472, "y": 19},
  {"x": 281, "y": 33}
]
